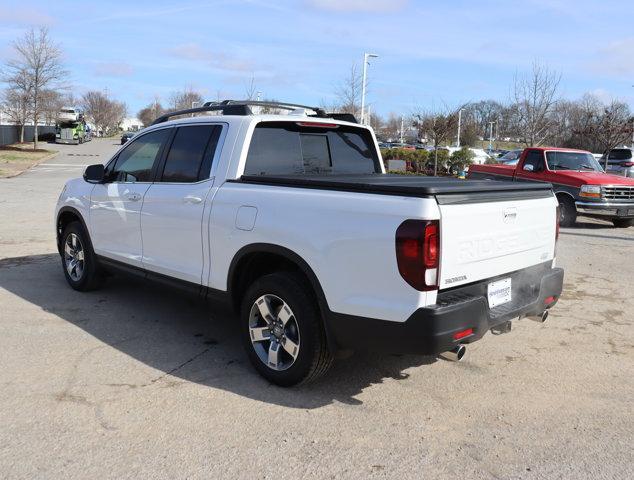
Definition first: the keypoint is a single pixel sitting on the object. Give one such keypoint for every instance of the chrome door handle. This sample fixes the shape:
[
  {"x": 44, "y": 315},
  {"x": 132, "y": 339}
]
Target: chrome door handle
[
  {"x": 192, "y": 199},
  {"x": 135, "y": 197}
]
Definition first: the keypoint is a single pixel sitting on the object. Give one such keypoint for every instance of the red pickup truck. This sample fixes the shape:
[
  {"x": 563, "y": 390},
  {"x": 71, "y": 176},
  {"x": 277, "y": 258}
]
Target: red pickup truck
[{"x": 581, "y": 185}]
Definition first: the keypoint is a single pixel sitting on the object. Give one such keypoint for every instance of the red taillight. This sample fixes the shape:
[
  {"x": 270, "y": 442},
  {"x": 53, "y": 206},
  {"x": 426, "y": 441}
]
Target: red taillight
[
  {"x": 627, "y": 164},
  {"x": 418, "y": 252},
  {"x": 549, "y": 300},
  {"x": 430, "y": 245},
  {"x": 462, "y": 334}
]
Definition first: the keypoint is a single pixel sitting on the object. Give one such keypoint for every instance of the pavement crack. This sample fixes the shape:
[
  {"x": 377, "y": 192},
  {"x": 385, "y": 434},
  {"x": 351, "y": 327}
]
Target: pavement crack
[{"x": 185, "y": 363}]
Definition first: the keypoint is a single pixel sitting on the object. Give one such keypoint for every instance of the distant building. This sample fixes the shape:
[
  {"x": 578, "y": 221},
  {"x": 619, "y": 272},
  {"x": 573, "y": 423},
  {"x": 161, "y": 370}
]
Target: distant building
[{"x": 131, "y": 124}]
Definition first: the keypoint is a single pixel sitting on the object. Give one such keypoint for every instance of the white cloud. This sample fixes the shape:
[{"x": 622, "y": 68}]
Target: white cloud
[
  {"x": 219, "y": 60},
  {"x": 25, "y": 16},
  {"x": 615, "y": 58},
  {"x": 369, "y": 6},
  {"x": 113, "y": 69}
]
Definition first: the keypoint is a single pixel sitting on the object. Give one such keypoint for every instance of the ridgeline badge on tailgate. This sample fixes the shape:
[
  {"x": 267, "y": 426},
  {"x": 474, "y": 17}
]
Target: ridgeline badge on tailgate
[{"x": 456, "y": 279}]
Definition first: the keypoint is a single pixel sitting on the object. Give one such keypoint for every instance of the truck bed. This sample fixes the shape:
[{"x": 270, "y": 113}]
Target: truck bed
[{"x": 445, "y": 189}]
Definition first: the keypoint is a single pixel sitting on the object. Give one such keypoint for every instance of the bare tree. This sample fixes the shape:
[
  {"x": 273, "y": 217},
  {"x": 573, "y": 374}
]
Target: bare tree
[
  {"x": 39, "y": 62},
  {"x": 482, "y": 113},
  {"x": 185, "y": 98},
  {"x": 613, "y": 127},
  {"x": 106, "y": 114},
  {"x": 151, "y": 112},
  {"x": 349, "y": 92},
  {"x": 534, "y": 97},
  {"x": 52, "y": 102},
  {"x": 251, "y": 89},
  {"x": 16, "y": 105},
  {"x": 439, "y": 126}
]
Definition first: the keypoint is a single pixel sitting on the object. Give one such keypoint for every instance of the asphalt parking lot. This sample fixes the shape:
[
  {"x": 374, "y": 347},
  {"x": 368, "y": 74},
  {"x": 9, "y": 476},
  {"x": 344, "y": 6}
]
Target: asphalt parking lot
[{"x": 136, "y": 381}]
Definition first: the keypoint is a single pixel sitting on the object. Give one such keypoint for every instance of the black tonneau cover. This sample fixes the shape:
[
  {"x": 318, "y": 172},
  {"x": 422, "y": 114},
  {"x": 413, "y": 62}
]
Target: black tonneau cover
[{"x": 447, "y": 190}]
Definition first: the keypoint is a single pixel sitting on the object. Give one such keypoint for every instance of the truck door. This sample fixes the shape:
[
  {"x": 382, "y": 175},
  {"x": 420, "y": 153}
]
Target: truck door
[
  {"x": 532, "y": 166},
  {"x": 115, "y": 206},
  {"x": 174, "y": 205}
]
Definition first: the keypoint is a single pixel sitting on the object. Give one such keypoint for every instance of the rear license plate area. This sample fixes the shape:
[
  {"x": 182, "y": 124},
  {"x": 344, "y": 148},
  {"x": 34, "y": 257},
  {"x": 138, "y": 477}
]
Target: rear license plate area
[{"x": 499, "y": 292}]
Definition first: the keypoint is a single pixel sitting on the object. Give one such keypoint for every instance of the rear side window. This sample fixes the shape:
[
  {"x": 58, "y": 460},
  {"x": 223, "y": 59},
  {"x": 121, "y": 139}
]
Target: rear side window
[
  {"x": 191, "y": 154},
  {"x": 134, "y": 163},
  {"x": 620, "y": 154},
  {"x": 534, "y": 158},
  {"x": 286, "y": 148}
]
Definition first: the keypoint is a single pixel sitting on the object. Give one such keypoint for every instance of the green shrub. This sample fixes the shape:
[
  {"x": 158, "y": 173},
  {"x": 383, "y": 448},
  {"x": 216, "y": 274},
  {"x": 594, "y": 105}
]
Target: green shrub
[{"x": 460, "y": 159}]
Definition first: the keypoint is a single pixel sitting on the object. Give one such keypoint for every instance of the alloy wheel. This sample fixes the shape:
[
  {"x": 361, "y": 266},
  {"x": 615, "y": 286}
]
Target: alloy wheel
[
  {"x": 274, "y": 332},
  {"x": 74, "y": 257}
]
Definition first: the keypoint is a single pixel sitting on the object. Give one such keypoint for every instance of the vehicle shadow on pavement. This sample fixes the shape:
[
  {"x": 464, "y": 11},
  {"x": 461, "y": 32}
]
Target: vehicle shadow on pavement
[{"x": 183, "y": 338}]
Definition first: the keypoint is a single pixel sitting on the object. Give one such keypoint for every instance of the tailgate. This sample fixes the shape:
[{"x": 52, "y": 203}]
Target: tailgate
[{"x": 484, "y": 239}]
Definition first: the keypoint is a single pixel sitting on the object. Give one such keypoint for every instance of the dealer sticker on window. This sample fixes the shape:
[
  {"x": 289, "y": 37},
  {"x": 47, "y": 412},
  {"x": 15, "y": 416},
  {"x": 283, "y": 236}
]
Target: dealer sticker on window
[{"x": 499, "y": 292}]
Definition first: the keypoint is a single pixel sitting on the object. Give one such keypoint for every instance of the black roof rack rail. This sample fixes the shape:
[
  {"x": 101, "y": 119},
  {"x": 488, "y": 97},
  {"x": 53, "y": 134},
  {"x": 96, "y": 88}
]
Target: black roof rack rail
[{"x": 241, "y": 107}]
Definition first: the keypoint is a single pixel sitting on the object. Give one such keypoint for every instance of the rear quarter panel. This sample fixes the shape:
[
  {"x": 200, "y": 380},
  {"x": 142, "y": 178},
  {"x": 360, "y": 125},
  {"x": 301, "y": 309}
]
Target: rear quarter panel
[{"x": 347, "y": 239}]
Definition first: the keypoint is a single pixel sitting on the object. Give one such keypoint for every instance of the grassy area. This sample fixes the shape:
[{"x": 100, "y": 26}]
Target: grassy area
[
  {"x": 484, "y": 144},
  {"x": 15, "y": 159}
]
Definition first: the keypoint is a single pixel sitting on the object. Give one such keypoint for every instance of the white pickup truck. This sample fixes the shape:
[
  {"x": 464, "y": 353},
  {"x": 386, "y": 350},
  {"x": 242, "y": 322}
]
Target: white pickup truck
[{"x": 291, "y": 221}]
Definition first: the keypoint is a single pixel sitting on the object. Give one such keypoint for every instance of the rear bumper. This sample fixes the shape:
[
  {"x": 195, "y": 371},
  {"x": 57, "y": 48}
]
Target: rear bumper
[
  {"x": 67, "y": 141},
  {"x": 606, "y": 209},
  {"x": 430, "y": 330}
]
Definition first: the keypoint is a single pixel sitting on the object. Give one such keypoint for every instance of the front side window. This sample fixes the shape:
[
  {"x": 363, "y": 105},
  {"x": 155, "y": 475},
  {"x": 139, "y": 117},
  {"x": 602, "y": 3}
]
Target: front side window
[
  {"x": 135, "y": 162},
  {"x": 302, "y": 148},
  {"x": 191, "y": 153}
]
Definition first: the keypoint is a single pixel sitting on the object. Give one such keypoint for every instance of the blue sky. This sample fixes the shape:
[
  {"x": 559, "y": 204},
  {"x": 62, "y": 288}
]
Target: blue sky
[{"x": 431, "y": 52}]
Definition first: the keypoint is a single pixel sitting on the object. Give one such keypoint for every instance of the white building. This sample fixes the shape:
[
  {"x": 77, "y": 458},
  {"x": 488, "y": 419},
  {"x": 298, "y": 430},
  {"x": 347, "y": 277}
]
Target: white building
[{"x": 131, "y": 124}]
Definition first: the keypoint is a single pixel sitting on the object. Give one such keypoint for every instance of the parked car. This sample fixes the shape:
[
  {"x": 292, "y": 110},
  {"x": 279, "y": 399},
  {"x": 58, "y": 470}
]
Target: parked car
[
  {"x": 620, "y": 162},
  {"x": 581, "y": 186},
  {"x": 511, "y": 157},
  {"x": 127, "y": 136},
  {"x": 291, "y": 221}
]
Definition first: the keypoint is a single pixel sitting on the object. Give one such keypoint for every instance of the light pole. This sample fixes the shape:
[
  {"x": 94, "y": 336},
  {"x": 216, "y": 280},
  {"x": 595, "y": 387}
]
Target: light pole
[
  {"x": 491, "y": 135},
  {"x": 459, "y": 121},
  {"x": 366, "y": 56}
]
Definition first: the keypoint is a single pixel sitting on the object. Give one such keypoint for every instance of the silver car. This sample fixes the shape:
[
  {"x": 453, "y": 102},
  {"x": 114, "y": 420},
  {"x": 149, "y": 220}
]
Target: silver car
[{"x": 620, "y": 162}]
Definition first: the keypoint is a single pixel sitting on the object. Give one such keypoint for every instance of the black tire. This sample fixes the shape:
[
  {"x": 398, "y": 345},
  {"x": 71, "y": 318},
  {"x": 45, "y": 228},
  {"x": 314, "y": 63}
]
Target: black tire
[
  {"x": 91, "y": 277},
  {"x": 623, "y": 222},
  {"x": 567, "y": 212},
  {"x": 313, "y": 358}
]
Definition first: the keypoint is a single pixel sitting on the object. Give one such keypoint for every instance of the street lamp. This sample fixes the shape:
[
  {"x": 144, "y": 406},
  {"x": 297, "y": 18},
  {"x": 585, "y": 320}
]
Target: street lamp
[
  {"x": 366, "y": 56},
  {"x": 491, "y": 134}
]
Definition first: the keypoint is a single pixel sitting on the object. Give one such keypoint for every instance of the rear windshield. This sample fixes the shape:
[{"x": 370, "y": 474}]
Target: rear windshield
[
  {"x": 619, "y": 154},
  {"x": 286, "y": 148}
]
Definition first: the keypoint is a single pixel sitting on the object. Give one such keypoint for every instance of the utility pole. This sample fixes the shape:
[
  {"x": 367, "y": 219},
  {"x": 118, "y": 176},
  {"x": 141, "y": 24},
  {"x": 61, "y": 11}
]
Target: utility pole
[
  {"x": 459, "y": 121},
  {"x": 366, "y": 56}
]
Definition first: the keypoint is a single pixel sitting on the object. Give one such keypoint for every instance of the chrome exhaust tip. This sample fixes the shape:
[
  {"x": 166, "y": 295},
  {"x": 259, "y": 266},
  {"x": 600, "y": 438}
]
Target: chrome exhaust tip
[
  {"x": 539, "y": 318},
  {"x": 455, "y": 354}
]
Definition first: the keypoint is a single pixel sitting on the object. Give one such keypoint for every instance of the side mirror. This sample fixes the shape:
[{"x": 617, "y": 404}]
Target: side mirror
[
  {"x": 529, "y": 168},
  {"x": 95, "y": 173}
]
